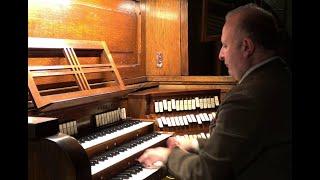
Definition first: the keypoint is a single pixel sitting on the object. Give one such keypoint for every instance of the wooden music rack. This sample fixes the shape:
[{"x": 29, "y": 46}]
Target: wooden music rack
[{"x": 81, "y": 90}]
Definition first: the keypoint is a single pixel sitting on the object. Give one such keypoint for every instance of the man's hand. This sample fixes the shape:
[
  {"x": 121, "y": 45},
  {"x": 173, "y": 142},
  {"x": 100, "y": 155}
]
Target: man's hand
[
  {"x": 183, "y": 143},
  {"x": 154, "y": 157}
]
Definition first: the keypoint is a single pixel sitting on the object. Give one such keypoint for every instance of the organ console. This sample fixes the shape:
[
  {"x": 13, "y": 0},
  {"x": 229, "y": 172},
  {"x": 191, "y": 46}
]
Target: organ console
[{"x": 95, "y": 127}]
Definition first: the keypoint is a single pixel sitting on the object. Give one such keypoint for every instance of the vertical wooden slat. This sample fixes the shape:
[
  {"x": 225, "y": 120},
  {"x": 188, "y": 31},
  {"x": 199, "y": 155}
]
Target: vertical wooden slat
[
  {"x": 184, "y": 37},
  {"x": 78, "y": 66},
  {"x": 78, "y": 79},
  {"x": 116, "y": 72}
]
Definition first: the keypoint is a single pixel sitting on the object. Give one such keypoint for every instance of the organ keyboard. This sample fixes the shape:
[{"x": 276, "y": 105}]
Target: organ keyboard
[
  {"x": 137, "y": 171},
  {"x": 176, "y": 110}
]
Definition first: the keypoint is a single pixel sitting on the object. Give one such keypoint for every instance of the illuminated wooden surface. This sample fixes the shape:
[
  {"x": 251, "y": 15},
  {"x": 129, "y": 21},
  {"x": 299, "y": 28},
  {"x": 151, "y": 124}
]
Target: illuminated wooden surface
[
  {"x": 115, "y": 22},
  {"x": 163, "y": 35}
]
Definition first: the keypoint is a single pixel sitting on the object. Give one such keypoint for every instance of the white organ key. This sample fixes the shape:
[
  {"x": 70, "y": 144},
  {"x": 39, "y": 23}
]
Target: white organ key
[
  {"x": 216, "y": 100},
  {"x": 185, "y": 104},
  {"x": 205, "y": 103},
  {"x": 185, "y": 120},
  {"x": 165, "y": 105},
  {"x": 113, "y": 116},
  {"x": 198, "y": 119},
  {"x": 113, "y": 119},
  {"x": 203, "y": 135},
  {"x": 194, "y": 136},
  {"x": 189, "y": 118},
  {"x": 214, "y": 114},
  {"x": 64, "y": 127},
  {"x": 193, "y": 104},
  {"x": 169, "y": 121},
  {"x": 156, "y": 107},
  {"x": 128, "y": 153},
  {"x": 178, "y": 137},
  {"x": 201, "y": 103},
  {"x": 198, "y": 136},
  {"x": 209, "y": 103},
  {"x": 202, "y": 117},
  {"x": 144, "y": 173},
  {"x": 119, "y": 114},
  {"x": 122, "y": 116},
  {"x": 172, "y": 119},
  {"x": 173, "y": 103},
  {"x": 164, "y": 121},
  {"x": 160, "y": 106},
  {"x": 123, "y": 112},
  {"x": 193, "y": 118},
  {"x": 186, "y": 136},
  {"x": 60, "y": 128},
  {"x": 169, "y": 106},
  {"x": 97, "y": 117},
  {"x": 159, "y": 122},
  {"x": 210, "y": 116},
  {"x": 116, "y": 115},
  {"x": 181, "y": 120},
  {"x": 100, "y": 119},
  {"x": 197, "y": 102},
  {"x": 212, "y": 102},
  {"x": 71, "y": 128},
  {"x": 189, "y": 104},
  {"x": 208, "y": 135},
  {"x": 106, "y": 118},
  {"x": 176, "y": 120},
  {"x": 68, "y": 128},
  {"x": 177, "y": 105},
  {"x": 75, "y": 127},
  {"x": 181, "y": 105},
  {"x": 173, "y": 122},
  {"x": 205, "y": 115}
]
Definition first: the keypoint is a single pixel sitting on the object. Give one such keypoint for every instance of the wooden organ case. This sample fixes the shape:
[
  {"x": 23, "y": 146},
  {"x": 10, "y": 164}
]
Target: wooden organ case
[{"x": 78, "y": 125}]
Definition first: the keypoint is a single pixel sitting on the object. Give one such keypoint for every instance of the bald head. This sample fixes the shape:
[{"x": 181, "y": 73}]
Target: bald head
[{"x": 256, "y": 23}]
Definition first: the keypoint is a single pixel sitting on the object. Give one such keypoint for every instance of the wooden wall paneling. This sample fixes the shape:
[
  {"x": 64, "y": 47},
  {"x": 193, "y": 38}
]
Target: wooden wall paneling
[
  {"x": 163, "y": 35},
  {"x": 117, "y": 22}
]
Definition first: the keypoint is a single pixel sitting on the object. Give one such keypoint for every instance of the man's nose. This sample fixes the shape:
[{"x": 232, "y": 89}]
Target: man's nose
[{"x": 221, "y": 56}]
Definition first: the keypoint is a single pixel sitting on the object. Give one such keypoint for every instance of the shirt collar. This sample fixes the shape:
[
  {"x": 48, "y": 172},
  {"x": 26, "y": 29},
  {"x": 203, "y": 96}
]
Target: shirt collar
[{"x": 255, "y": 67}]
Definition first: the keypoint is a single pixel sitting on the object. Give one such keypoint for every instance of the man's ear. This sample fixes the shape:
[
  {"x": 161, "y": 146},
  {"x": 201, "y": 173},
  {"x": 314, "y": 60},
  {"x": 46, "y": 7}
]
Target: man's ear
[{"x": 248, "y": 47}]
